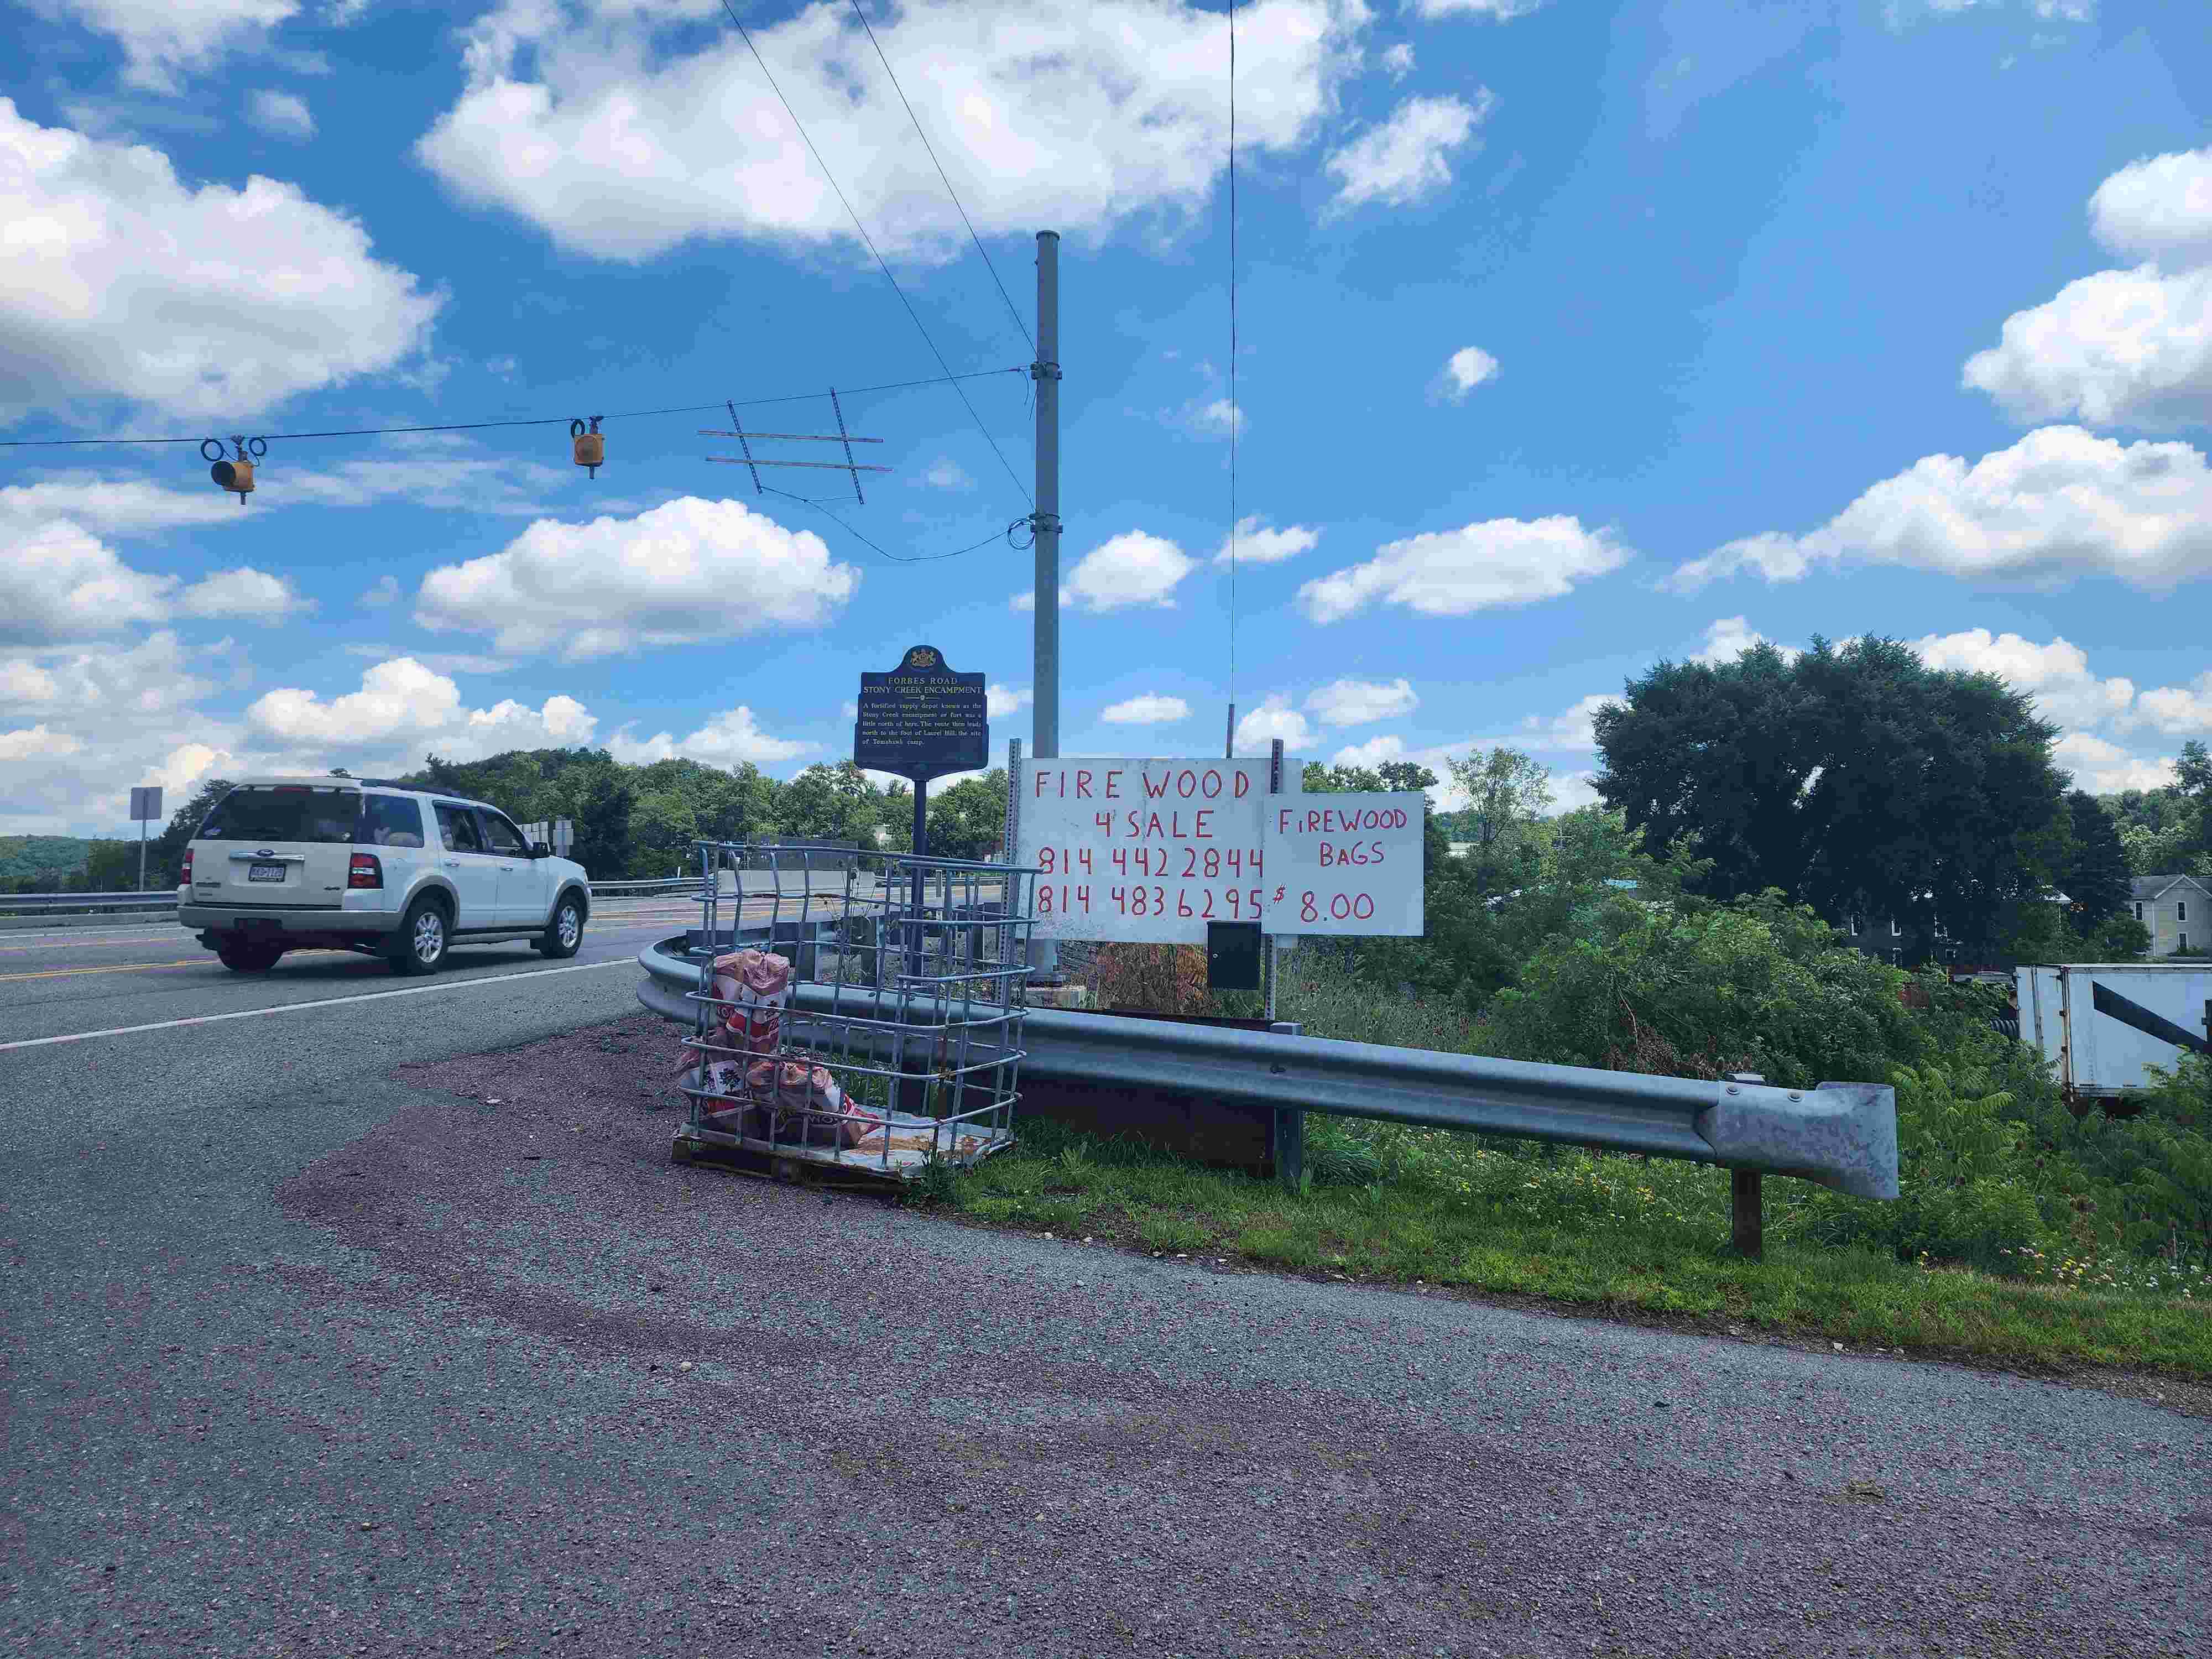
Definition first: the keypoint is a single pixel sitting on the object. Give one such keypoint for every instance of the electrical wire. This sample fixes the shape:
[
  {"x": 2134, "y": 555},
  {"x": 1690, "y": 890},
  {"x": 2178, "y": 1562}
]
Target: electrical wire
[
  {"x": 746, "y": 36},
  {"x": 816, "y": 504},
  {"x": 486, "y": 426},
  {"x": 1236, "y": 415},
  {"x": 1012, "y": 309}
]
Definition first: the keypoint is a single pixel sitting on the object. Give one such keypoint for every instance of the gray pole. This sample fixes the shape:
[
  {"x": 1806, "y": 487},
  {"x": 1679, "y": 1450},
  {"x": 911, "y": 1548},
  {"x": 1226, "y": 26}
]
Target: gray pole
[
  {"x": 141, "y": 849},
  {"x": 1044, "y": 733},
  {"x": 1044, "y": 712}
]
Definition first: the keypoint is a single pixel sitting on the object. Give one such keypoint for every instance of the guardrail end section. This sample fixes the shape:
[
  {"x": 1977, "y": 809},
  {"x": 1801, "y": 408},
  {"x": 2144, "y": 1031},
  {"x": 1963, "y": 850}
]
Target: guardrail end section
[{"x": 1842, "y": 1135}]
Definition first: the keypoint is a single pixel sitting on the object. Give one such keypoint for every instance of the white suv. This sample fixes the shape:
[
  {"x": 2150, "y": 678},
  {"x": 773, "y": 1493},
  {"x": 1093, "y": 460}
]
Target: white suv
[{"x": 363, "y": 864}]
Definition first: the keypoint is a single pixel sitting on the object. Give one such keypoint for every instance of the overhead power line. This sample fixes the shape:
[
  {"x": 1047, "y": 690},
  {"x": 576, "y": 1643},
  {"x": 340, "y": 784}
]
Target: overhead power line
[
  {"x": 895, "y": 558},
  {"x": 486, "y": 426},
  {"x": 1013, "y": 310},
  {"x": 746, "y": 36}
]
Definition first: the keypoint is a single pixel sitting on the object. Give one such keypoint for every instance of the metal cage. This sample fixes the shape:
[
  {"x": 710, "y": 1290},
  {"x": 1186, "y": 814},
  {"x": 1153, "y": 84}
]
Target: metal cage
[{"x": 898, "y": 1042}]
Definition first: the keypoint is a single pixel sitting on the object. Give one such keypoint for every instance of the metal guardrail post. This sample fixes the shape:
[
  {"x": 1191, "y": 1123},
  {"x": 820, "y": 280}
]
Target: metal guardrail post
[{"x": 1747, "y": 1201}]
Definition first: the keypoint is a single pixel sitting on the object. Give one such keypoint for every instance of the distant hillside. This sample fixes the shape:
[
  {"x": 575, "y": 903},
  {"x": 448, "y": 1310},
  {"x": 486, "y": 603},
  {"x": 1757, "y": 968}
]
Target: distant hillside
[{"x": 39, "y": 857}]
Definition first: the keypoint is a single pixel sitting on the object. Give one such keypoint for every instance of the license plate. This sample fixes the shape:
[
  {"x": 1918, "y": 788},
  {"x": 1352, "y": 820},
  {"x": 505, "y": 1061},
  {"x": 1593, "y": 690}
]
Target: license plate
[{"x": 266, "y": 873}]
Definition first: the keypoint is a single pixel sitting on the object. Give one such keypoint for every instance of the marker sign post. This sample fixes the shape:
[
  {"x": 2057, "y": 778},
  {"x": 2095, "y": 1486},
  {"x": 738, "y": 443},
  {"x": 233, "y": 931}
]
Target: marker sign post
[
  {"x": 920, "y": 721},
  {"x": 1344, "y": 864},
  {"x": 146, "y": 808},
  {"x": 1142, "y": 851}
]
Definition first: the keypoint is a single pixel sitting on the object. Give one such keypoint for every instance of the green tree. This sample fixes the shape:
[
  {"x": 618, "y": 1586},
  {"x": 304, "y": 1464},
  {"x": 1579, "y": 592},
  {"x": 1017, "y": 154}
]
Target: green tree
[
  {"x": 2095, "y": 873},
  {"x": 111, "y": 866},
  {"x": 1507, "y": 795},
  {"x": 165, "y": 859},
  {"x": 827, "y": 802},
  {"x": 1849, "y": 777},
  {"x": 967, "y": 819}
]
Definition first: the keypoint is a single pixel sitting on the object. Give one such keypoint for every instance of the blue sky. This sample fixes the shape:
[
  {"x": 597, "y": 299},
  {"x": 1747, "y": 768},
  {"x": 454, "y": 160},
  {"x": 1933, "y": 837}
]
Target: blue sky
[{"x": 1573, "y": 337}]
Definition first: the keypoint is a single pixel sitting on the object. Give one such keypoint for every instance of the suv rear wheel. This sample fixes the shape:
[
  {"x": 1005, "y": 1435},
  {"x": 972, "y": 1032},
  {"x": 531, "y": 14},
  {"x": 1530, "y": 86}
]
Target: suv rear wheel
[
  {"x": 247, "y": 958},
  {"x": 419, "y": 946},
  {"x": 565, "y": 932}
]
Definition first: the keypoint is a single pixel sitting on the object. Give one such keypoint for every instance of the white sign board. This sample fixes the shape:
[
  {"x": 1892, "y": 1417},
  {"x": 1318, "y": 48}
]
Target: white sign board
[
  {"x": 1344, "y": 864},
  {"x": 146, "y": 804},
  {"x": 1144, "y": 851}
]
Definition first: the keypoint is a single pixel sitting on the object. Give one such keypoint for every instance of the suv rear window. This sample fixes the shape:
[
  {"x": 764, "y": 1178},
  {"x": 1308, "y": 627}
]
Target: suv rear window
[
  {"x": 284, "y": 812},
  {"x": 390, "y": 821}
]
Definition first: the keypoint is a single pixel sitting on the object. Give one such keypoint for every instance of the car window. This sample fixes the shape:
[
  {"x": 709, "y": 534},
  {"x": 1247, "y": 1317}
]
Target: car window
[
  {"x": 506, "y": 839},
  {"x": 390, "y": 821},
  {"x": 287, "y": 811},
  {"x": 457, "y": 828}
]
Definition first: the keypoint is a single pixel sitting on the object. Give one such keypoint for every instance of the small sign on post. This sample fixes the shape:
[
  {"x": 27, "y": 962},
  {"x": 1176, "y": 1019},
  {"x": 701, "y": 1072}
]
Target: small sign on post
[
  {"x": 145, "y": 808},
  {"x": 1345, "y": 865}
]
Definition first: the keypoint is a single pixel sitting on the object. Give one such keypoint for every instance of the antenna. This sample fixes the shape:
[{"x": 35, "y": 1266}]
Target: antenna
[{"x": 746, "y": 440}]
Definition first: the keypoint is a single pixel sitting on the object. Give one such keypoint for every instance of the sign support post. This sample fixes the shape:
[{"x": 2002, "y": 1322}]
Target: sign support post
[{"x": 145, "y": 805}]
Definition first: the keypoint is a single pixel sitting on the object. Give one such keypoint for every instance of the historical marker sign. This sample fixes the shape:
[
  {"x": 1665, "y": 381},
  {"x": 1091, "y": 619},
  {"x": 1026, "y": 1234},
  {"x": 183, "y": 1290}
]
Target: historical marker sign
[{"x": 922, "y": 720}]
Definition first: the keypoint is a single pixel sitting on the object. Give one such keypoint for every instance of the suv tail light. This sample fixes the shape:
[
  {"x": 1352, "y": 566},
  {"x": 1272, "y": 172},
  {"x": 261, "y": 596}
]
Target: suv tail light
[
  {"x": 366, "y": 872},
  {"x": 185, "y": 879}
]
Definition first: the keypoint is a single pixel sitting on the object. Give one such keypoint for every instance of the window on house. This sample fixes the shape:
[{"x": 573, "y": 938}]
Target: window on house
[
  {"x": 2139, "y": 913},
  {"x": 1852, "y": 924},
  {"x": 1896, "y": 931},
  {"x": 1939, "y": 932},
  {"x": 2181, "y": 909},
  {"x": 2184, "y": 945}
]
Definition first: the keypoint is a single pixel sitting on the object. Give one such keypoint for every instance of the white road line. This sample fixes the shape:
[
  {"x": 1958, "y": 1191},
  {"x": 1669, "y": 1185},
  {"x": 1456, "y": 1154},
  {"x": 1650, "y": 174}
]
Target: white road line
[{"x": 319, "y": 1002}]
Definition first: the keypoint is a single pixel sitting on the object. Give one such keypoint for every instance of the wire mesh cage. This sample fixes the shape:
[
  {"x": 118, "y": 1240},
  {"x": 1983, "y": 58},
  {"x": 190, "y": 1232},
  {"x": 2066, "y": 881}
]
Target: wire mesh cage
[{"x": 857, "y": 1008}]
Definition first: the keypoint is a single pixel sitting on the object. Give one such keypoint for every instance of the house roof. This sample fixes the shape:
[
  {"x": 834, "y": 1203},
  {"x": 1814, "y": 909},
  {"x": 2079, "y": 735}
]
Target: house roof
[{"x": 2157, "y": 887}]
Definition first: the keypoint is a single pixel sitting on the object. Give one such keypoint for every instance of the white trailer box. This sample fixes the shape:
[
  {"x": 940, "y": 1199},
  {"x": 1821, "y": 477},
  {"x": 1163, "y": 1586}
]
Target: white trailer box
[{"x": 2101, "y": 1024}]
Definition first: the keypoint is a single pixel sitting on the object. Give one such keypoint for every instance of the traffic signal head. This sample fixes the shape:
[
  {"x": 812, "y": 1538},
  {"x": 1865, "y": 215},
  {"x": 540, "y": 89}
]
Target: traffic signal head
[{"x": 237, "y": 476}]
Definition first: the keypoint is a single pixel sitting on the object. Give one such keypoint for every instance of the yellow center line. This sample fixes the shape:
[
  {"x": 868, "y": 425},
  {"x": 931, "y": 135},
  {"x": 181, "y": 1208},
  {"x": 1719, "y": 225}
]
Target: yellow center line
[{"x": 122, "y": 968}]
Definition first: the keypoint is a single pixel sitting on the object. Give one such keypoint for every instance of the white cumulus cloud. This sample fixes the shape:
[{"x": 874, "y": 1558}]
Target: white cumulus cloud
[
  {"x": 258, "y": 294},
  {"x": 623, "y": 132},
  {"x": 685, "y": 571},
  {"x": 2057, "y": 673},
  {"x": 281, "y": 115},
  {"x": 1398, "y": 61},
  {"x": 255, "y": 595},
  {"x": 1361, "y": 702},
  {"x": 2129, "y": 347},
  {"x": 1132, "y": 569},
  {"x": 2059, "y": 504},
  {"x": 1464, "y": 370},
  {"x": 1147, "y": 708},
  {"x": 1371, "y": 753},
  {"x": 1729, "y": 638},
  {"x": 1455, "y": 572},
  {"x": 1000, "y": 700},
  {"x": 1274, "y": 718},
  {"x": 162, "y": 39},
  {"x": 732, "y": 738},
  {"x": 1495, "y": 11},
  {"x": 1258, "y": 545},
  {"x": 1409, "y": 155},
  {"x": 404, "y": 706}
]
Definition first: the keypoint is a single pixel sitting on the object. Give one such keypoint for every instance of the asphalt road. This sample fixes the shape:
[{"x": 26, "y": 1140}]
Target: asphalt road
[{"x": 303, "y": 1357}]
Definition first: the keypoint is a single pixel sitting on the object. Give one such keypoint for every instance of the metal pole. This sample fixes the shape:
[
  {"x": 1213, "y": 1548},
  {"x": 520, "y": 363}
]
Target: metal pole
[
  {"x": 1268, "y": 945},
  {"x": 920, "y": 850},
  {"x": 1044, "y": 735},
  {"x": 141, "y": 855},
  {"x": 1044, "y": 709}
]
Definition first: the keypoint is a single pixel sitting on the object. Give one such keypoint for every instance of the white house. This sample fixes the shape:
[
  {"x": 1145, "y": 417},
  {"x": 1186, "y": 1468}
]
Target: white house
[{"x": 2177, "y": 910}]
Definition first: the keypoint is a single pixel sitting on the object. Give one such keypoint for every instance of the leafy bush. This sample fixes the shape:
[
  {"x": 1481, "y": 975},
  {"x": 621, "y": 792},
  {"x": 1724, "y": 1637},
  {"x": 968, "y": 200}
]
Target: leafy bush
[
  {"x": 1971, "y": 1188},
  {"x": 1751, "y": 986}
]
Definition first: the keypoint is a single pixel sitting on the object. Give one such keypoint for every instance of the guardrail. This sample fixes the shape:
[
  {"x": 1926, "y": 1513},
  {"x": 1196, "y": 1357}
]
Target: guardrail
[
  {"x": 38, "y": 901},
  {"x": 166, "y": 898},
  {"x": 1842, "y": 1135}
]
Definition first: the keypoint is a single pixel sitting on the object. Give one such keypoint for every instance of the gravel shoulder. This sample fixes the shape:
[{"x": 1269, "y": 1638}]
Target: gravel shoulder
[{"x": 442, "y": 1359}]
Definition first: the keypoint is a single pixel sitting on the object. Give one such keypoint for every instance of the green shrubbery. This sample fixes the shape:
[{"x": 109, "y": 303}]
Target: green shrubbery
[{"x": 1996, "y": 1171}]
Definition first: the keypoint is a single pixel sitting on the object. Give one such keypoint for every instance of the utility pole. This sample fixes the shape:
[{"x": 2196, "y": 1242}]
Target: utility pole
[
  {"x": 1045, "y": 731},
  {"x": 1044, "y": 728}
]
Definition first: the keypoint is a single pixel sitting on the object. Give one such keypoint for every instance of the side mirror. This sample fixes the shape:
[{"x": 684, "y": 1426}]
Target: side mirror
[{"x": 538, "y": 849}]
